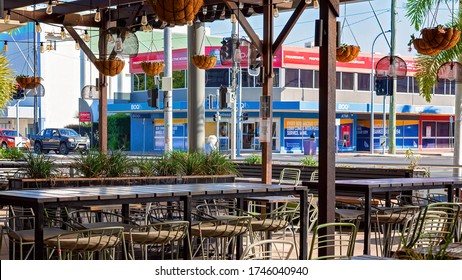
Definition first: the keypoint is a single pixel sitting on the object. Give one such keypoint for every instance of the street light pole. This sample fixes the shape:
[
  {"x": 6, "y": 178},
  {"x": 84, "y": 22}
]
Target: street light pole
[{"x": 372, "y": 128}]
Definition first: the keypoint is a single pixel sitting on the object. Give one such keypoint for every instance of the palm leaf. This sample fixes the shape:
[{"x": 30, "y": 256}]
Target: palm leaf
[
  {"x": 418, "y": 10},
  {"x": 6, "y": 81}
]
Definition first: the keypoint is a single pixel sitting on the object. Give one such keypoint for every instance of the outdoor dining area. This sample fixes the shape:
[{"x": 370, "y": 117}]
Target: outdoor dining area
[{"x": 240, "y": 220}]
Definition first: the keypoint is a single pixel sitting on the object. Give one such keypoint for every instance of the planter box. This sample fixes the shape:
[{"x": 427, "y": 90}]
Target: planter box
[
  {"x": 66, "y": 182},
  {"x": 341, "y": 173}
]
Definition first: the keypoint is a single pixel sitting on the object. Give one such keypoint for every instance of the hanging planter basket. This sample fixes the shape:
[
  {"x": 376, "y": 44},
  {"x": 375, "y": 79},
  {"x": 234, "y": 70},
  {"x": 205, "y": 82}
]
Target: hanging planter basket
[
  {"x": 441, "y": 38},
  {"x": 152, "y": 68},
  {"x": 27, "y": 82},
  {"x": 347, "y": 53},
  {"x": 177, "y": 11},
  {"x": 205, "y": 62},
  {"x": 109, "y": 67},
  {"x": 424, "y": 48}
]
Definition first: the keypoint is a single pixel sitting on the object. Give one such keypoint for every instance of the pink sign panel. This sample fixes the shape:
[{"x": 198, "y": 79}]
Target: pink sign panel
[{"x": 180, "y": 58}]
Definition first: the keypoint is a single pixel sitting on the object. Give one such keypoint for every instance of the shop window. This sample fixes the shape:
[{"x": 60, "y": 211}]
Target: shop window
[
  {"x": 364, "y": 82},
  {"x": 316, "y": 79},
  {"x": 291, "y": 78},
  {"x": 338, "y": 80},
  {"x": 179, "y": 79},
  {"x": 259, "y": 79},
  {"x": 413, "y": 85},
  {"x": 401, "y": 85},
  {"x": 347, "y": 80},
  {"x": 138, "y": 82},
  {"x": 306, "y": 79}
]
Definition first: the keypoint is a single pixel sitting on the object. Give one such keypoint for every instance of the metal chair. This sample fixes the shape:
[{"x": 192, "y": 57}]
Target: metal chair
[
  {"x": 434, "y": 228},
  {"x": 87, "y": 219},
  {"x": 159, "y": 235},
  {"x": 290, "y": 176},
  {"x": 269, "y": 249},
  {"x": 21, "y": 233},
  {"x": 342, "y": 241},
  {"x": 83, "y": 244}
]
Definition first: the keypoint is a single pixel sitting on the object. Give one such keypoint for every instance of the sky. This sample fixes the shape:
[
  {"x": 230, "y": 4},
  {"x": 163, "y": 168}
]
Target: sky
[{"x": 360, "y": 26}]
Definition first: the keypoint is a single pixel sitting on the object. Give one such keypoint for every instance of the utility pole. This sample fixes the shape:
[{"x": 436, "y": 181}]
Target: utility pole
[
  {"x": 392, "y": 113},
  {"x": 168, "y": 100},
  {"x": 234, "y": 86},
  {"x": 458, "y": 125}
]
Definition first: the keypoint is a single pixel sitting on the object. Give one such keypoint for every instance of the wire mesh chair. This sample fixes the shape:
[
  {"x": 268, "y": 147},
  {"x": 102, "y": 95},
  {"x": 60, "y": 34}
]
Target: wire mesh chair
[
  {"x": 342, "y": 241},
  {"x": 290, "y": 176},
  {"x": 159, "y": 236},
  {"x": 433, "y": 229},
  {"x": 87, "y": 219},
  {"x": 21, "y": 233},
  {"x": 269, "y": 249},
  {"x": 83, "y": 244}
]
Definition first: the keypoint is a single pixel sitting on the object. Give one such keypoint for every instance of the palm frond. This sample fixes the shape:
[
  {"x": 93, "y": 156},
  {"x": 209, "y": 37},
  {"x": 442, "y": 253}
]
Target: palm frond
[
  {"x": 6, "y": 81},
  {"x": 418, "y": 11},
  {"x": 427, "y": 66}
]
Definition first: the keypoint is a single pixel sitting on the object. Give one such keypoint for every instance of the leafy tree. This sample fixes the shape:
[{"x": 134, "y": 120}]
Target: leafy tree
[
  {"x": 6, "y": 81},
  {"x": 118, "y": 132},
  {"x": 427, "y": 66}
]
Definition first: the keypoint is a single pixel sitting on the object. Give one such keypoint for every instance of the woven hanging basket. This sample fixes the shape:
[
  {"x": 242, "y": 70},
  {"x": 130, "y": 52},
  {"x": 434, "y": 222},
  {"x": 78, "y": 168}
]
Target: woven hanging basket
[
  {"x": 152, "y": 68},
  {"x": 205, "y": 62},
  {"x": 424, "y": 48},
  {"x": 28, "y": 82},
  {"x": 347, "y": 53},
  {"x": 441, "y": 38},
  {"x": 176, "y": 11},
  {"x": 109, "y": 67}
]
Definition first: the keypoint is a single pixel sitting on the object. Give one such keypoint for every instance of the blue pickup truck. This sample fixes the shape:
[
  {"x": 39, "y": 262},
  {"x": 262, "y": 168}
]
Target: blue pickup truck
[{"x": 60, "y": 140}]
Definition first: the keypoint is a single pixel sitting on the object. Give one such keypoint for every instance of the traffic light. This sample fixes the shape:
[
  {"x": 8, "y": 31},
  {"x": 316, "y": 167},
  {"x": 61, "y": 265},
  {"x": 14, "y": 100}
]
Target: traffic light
[
  {"x": 223, "y": 93},
  {"x": 18, "y": 93},
  {"x": 153, "y": 96},
  {"x": 226, "y": 51},
  {"x": 383, "y": 86},
  {"x": 245, "y": 116}
]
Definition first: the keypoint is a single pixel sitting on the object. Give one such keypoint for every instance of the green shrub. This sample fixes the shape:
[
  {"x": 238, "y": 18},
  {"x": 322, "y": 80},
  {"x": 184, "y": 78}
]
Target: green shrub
[
  {"x": 309, "y": 161},
  {"x": 145, "y": 166},
  {"x": 193, "y": 163},
  {"x": 168, "y": 164},
  {"x": 253, "y": 159},
  {"x": 220, "y": 164},
  {"x": 119, "y": 165},
  {"x": 39, "y": 167},
  {"x": 92, "y": 164},
  {"x": 11, "y": 154}
]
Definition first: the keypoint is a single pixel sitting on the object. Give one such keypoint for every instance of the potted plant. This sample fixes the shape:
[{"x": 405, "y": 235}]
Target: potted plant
[
  {"x": 346, "y": 53},
  {"x": 176, "y": 12},
  {"x": 152, "y": 68},
  {"x": 28, "y": 82},
  {"x": 440, "y": 37},
  {"x": 109, "y": 66},
  {"x": 204, "y": 62}
]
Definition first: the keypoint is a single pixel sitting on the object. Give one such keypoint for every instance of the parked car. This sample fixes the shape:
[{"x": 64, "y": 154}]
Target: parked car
[
  {"x": 8, "y": 136},
  {"x": 60, "y": 140}
]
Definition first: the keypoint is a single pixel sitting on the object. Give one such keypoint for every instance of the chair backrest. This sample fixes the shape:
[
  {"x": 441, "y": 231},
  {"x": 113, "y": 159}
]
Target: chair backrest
[
  {"x": 269, "y": 249},
  {"x": 314, "y": 175},
  {"x": 434, "y": 226},
  {"x": 340, "y": 237},
  {"x": 290, "y": 176}
]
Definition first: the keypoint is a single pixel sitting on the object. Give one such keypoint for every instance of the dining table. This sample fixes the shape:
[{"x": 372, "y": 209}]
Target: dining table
[
  {"x": 75, "y": 197},
  {"x": 368, "y": 189}
]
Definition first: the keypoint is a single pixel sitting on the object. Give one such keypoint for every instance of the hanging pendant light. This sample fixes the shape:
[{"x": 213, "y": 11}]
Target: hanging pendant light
[
  {"x": 275, "y": 12},
  {"x": 98, "y": 15},
  {"x": 38, "y": 28},
  {"x": 5, "y": 46},
  {"x": 42, "y": 47},
  {"x": 63, "y": 33},
  {"x": 77, "y": 45},
  {"x": 315, "y": 4},
  {"x": 86, "y": 37},
  {"x": 8, "y": 16},
  {"x": 233, "y": 18},
  {"x": 144, "y": 19},
  {"x": 308, "y": 2},
  {"x": 49, "y": 9}
]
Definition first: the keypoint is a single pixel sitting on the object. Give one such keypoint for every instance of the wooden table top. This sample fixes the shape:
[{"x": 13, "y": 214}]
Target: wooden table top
[{"x": 145, "y": 191}]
